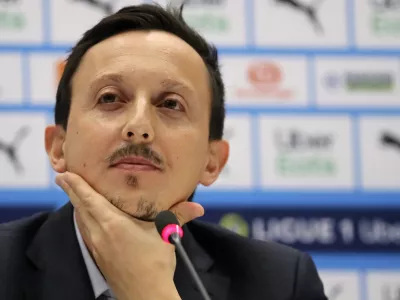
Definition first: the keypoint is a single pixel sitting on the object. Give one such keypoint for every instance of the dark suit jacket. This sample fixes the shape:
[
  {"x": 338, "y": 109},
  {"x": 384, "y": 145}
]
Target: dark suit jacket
[{"x": 40, "y": 258}]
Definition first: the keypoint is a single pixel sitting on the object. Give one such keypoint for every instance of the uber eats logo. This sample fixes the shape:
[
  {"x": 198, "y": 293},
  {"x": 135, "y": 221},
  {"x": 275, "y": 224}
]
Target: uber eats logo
[
  {"x": 205, "y": 15},
  {"x": 385, "y": 17},
  {"x": 304, "y": 154},
  {"x": 11, "y": 15}
]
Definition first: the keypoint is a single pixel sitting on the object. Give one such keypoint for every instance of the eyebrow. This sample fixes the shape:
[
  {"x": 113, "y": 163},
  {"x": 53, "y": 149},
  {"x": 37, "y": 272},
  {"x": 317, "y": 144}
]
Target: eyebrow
[
  {"x": 116, "y": 78},
  {"x": 170, "y": 84},
  {"x": 167, "y": 84}
]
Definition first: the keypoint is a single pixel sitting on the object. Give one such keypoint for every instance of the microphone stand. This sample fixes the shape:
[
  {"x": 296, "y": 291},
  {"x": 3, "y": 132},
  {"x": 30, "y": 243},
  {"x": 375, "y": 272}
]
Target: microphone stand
[{"x": 177, "y": 242}]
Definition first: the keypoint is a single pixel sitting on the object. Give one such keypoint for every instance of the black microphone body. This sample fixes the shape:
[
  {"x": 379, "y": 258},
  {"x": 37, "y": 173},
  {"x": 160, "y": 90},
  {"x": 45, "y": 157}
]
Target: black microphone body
[{"x": 170, "y": 231}]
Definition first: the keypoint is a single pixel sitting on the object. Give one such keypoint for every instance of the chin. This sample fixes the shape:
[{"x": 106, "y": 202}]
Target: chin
[{"x": 142, "y": 208}]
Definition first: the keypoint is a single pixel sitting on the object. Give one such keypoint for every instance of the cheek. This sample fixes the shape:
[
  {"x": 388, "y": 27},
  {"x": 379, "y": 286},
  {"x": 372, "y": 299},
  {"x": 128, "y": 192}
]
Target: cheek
[
  {"x": 85, "y": 146},
  {"x": 189, "y": 152}
]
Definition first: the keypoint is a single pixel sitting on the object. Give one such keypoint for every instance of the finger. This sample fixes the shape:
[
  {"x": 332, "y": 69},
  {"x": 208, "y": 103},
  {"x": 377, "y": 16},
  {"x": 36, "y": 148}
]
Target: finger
[
  {"x": 86, "y": 219},
  {"x": 187, "y": 211},
  {"x": 84, "y": 197},
  {"x": 67, "y": 189}
]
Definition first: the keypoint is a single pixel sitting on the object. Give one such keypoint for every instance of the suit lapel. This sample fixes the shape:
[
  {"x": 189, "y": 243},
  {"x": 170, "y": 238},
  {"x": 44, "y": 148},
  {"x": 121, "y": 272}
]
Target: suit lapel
[
  {"x": 58, "y": 270},
  {"x": 214, "y": 280}
]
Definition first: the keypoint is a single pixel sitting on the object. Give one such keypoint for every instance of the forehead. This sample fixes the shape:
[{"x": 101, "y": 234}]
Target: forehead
[{"x": 145, "y": 54}]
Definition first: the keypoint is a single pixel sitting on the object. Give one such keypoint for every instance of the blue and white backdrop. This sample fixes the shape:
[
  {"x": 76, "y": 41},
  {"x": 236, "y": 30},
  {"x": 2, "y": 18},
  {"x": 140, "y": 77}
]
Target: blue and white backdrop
[{"x": 313, "y": 96}]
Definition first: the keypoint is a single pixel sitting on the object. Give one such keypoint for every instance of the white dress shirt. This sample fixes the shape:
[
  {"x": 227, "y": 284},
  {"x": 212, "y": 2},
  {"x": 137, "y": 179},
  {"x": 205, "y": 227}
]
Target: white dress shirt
[{"x": 99, "y": 284}]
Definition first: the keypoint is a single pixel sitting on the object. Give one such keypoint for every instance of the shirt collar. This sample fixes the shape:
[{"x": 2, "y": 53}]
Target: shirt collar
[{"x": 99, "y": 284}]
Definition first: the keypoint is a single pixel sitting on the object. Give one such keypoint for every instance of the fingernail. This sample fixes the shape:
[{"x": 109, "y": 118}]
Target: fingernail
[{"x": 200, "y": 210}]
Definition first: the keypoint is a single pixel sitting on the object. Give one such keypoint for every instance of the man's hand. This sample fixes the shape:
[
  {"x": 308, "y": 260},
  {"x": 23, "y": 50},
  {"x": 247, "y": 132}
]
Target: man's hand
[{"x": 133, "y": 258}]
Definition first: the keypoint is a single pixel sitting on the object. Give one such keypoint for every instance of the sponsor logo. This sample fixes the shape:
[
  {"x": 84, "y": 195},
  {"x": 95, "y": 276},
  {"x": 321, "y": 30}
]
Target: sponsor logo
[
  {"x": 385, "y": 5},
  {"x": 361, "y": 231},
  {"x": 235, "y": 223},
  {"x": 11, "y": 16},
  {"x": 361, "y": 81},
  {"x": 334, "y": 292},
  {"x": 304, "y": 154},
  {"x": 390, "y": 140},
  {"x": 291, "y": 230},
  {"x": 10, "y": 149},
  {"x": 383, "y": 285},
  {"x": 265, "y": 79},
  {"x": 105, "y": 6},
  {"x": 380, "y": 144},
  {"x": 309, "y": 10},
  {"x": 206, "y": 18},
  {"x": 385, "y": 18},
  {"x": 379, "y": 232},
  {"x": 390, "y": 292},
  {"x": 341, "y": 285}
]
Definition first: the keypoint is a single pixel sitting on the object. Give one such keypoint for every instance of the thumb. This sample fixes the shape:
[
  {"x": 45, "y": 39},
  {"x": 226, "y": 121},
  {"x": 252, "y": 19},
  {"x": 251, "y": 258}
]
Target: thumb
[{"x": 187, "y": 211}]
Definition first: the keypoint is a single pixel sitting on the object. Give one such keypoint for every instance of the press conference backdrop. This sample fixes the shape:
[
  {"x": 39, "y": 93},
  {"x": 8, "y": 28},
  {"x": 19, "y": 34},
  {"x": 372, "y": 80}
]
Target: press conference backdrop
[{"x": 313, "y": 120}]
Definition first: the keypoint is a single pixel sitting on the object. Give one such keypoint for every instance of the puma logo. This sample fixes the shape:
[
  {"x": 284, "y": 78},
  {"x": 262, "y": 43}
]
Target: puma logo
[
  {"x": 390, "y": 293},
  {"x": 105, "y": 6},
  {"x": 390, "y": 140},
  {"x": 10, "y": 150},
  {"x": 309, "y": 10},
  {"x": 335, "y": 292}
]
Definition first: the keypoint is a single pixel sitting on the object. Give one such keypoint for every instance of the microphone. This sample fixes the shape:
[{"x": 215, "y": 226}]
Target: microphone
[{"x": 168, "y": 227}]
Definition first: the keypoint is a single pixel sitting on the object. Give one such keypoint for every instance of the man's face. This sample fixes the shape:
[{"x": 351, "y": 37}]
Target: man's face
[{"x": 140, "y": 95}]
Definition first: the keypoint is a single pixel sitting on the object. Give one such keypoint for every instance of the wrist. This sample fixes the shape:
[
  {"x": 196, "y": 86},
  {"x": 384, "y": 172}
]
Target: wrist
[{"x": 165, "y": 291}]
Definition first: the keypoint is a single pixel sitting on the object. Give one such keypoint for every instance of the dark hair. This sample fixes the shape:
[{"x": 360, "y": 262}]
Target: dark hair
[{"x": 146, "y": 17}]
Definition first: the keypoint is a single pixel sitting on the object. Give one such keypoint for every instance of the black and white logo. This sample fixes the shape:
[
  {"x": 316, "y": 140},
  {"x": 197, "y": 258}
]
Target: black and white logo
[
  {"x": 390, "y": 292},
  {"x": 335, "y": 292},
  {"x": 380, "y": 148},
  {"x": 10, "y": 149},
  {"x": 105, "y": 6},
  {"x": 9, "y": 1},
  {"x": 391, "y": 140},
  {"x": 309, "y": 10},
  {"x": 385, "y": 5},
  {"x": 202, "y": 2}
]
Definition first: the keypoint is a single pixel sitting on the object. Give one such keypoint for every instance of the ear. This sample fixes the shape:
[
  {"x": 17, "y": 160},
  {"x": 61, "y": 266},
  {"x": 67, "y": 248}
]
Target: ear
[
  {"x": 218, "y": 156},
  {"x": 54, "y": 144}
]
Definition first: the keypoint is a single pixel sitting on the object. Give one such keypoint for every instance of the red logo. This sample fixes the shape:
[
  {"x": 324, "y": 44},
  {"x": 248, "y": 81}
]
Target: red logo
[{"x": 265, "y": 79}]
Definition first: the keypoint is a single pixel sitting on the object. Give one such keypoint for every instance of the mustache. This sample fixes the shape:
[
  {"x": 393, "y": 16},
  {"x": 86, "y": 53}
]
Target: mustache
[{"x": 140, "y": 150}]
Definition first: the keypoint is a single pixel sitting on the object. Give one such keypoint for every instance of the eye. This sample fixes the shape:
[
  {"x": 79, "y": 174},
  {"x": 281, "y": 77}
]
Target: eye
[
  {"x": 172, "y": 104},
  {"x": 108, "y": 98}
]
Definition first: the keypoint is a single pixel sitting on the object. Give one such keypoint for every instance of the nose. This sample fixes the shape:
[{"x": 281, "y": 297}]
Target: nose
[{"x": 138, "y": 128}]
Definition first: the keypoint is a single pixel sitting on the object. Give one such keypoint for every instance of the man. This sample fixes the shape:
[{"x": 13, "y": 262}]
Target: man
[{"x": 139, "y": 121}]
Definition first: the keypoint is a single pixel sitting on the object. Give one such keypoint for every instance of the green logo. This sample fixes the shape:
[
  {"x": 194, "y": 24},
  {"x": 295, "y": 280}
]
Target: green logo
[
  {"x": 378, "y": 81},
  {"x": 385, "y": 26},
  {"x": 385, "y": 19},
  {"x": 312, "y": 165},
  {"x": 235, "y": 223},
  {"x": 208, "y": 22},
  {"x": 12, "y": 20},
  {"x": 303, "y": 154}
]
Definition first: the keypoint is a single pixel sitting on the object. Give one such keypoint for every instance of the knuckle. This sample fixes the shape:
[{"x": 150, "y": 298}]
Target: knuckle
[
  {"x": 97, "y": 241},
  {"x": 86, "y": 199},
  {"x": 112, "y": 227}
]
